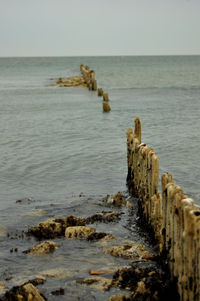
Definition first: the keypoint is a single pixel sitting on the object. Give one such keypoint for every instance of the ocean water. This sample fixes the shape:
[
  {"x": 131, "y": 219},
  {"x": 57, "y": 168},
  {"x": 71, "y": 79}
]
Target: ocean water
[
  {"x": 56, "y": 142},
  {"x": 60, "y": 154}
]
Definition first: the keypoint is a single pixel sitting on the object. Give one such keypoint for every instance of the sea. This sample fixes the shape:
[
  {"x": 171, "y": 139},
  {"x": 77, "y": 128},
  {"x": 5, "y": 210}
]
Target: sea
[{"x": 58, "y": 149}]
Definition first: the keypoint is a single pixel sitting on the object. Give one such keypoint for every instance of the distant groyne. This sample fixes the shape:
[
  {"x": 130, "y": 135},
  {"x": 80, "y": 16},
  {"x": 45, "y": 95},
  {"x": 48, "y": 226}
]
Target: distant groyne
[
  {"x": 87, "y": 80},
  {"x": 89, "y": 77},
  {"x": 173, "y": 217}
]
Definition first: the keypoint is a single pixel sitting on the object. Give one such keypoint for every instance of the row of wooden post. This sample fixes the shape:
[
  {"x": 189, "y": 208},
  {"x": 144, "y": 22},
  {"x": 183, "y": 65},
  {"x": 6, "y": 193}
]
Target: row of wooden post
[
  {"x": 174, "y": 217},
  {"x": 89, "y": 77}
]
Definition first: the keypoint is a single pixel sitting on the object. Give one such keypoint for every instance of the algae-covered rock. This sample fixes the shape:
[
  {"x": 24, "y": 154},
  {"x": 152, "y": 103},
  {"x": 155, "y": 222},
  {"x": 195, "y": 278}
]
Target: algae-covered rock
[
  {"x": 99, "y": 283},
  {"x": 3, "y": 288},
  {"x": 71, "y": 221},
  {"x": 145, "y": 280},
  {"x": 43, "y": 248},
  {"x": 132, "y": 250},
  {"x": 96, "y": 236},
  {"x": 36, "y": 212},
  {"x": 73, "y": 81},
  {"x": 58, "y": 292},
  {"x": 48, "y": 229},
  {"x": 102, "y": 271},
  {"x": 129, "y": 204},
  {"x": 116, "y": 199},
  {"x": 104, "y": 216},
  {"x": 78, "y": 232},
  {"x": 55, "y": 227},
  {"x": 106, "y": 239},
  {"x": 59, "y": 273},
  {"x": 25, "y": 292},
  {"x": 120, "y": 297}
]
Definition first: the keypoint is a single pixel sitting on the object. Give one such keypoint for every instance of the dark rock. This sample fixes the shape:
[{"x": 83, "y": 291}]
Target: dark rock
[
  {"x": 48, "y": 229},
  {"x": 120, "y": 297},
  {"x": 146, "y": 280},
  {"x": 58, "y": 292},
  {"x": 96, "y": 236},
  {"x": 71, "y": 221},
  {"x": 43, "y": 248},
  {"x": 55, "y": 227},
  {"x": 116, "y": 200},
  {"x": 25, "y": 292},
  {"x": 104, "y": 216}
]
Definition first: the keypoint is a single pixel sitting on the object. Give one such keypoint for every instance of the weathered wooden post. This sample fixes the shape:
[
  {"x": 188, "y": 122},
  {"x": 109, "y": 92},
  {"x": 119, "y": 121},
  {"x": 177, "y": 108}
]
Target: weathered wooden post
[
  {"x": 105, "y": 97},
  {"x": 174, "y": 218},
  {"x": 100, "y": 92},
  {"x": 106, "y": 106}
]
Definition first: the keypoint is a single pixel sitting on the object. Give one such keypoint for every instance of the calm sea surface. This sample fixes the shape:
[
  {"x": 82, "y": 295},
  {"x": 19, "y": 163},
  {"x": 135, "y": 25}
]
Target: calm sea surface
[
  {"x": 56, "y": 141},
  {"x": 55, "y": 144}
]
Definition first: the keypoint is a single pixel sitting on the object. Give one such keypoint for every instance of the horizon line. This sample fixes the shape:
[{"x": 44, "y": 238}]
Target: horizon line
[{"x": 102, "y": 55}]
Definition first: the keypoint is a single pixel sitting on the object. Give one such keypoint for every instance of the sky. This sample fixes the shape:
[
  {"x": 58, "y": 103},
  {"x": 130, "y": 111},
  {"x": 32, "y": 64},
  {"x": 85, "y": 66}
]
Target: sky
[{"x": 99, "y": 27}]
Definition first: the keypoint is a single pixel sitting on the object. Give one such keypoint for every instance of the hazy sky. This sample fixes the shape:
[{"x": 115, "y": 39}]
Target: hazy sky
[{"x": 99, "y": 27}]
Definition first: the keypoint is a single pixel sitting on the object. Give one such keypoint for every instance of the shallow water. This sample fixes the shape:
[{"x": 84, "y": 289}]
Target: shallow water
[
  {"x": 74, "y": 258},
  {"x": 56, "y": 143}
]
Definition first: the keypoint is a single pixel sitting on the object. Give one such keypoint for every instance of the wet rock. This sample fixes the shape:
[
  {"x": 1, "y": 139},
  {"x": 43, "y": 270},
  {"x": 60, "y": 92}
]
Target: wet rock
[
  {"x": 71, "y": 82},
  {"x": 119, "y": 297},
  {"x": 2, "y": 231},
  {"x": 37, "y": 281},
  {"x": 25, "y": 200},
  {"x": 145, "y": 280},
  {"x": 58, "y": 292},
  {"x": 129, "y": 204},
  {"x": 37, "y": 212},
  {"x": 96, "y": 236},
  {"x": 74, "y": 221},
  {"x": 78, "y": 232},
  {"x": 43, "y": 248},
  {"x": 24, "y": 292},
  {"x": 106, "y": 217},
  {"x": 54, "y": 227},
  {"x": 102, "y": 271},
  {"x": 57, "y": 273},
  {"x": 13, "y": 250},
  {"x": 116, "y": 199},
  {"x": 3, "y": 288},
  {"x": 106, "y": 239},
  {"x": 48, "y": 229},
  {"x": 132, "y": 250},
  {"x": 99, "y": 283}
]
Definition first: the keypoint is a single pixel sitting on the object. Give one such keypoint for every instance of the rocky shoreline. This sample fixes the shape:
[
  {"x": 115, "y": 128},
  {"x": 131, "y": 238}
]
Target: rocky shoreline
[{"x": 139, "y": 278}]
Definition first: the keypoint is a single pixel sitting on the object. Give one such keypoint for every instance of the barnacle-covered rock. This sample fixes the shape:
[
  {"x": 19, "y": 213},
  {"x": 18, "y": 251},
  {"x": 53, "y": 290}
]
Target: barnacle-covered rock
[
  {"x": 43, "y": 248},
  {"x": 78, "y": 232},
  {"x": 130, "y": 250}
]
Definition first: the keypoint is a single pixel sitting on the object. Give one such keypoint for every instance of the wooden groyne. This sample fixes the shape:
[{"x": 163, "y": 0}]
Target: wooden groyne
[
  {"x": 89, "y": 77},
  {"x": 173, "y": 217}
]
